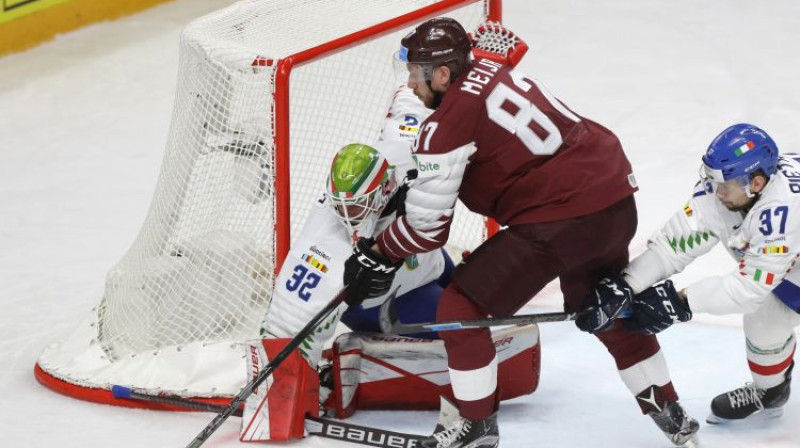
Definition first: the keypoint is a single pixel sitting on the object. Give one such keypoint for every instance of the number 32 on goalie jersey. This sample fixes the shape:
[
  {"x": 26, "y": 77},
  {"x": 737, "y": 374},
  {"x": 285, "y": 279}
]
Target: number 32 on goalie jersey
[{"x": 303, "y": 281}]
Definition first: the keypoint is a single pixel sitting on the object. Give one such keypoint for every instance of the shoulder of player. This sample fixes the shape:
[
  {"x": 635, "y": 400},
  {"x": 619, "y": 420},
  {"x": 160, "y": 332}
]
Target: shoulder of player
[
  {"x": 405, "y": 116},
  {"x": 406, "y": 103},
  {"x": 321, "y": 227},
  {"x": 703, "y": 197},
  {"x": 702, "y": 188},
  {"x": 474, "y": 85},
  {"x": 318, "y": 249},
  {"x": 786, "y": 180},
  {"x": 782, "y": 189},
  {"x": 456, "y": 117},
  {"x": 397, "y": 152}
]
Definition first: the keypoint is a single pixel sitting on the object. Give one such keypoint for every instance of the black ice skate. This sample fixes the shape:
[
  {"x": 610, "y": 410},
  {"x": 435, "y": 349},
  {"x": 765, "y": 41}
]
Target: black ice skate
[
  {"x": 454, "y": 431},
  {"x": 679, "y": 428},
  {"x": 670, "y": 418},
  {"x": 745, "y": 401}
]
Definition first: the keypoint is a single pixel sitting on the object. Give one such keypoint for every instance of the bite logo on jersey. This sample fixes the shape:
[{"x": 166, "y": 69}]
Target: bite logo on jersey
[
  {"x": 688, "y": 210},
  {"x": 312, "y": 260},
  {"x": 774, "y": 250},
  {"x": 431, "y": 165}
]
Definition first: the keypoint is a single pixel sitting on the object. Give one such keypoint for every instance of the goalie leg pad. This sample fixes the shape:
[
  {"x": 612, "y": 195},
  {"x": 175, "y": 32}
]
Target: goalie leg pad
[
  {"x": 276, "y": 410},
  {"x": 373, "y": 371}
]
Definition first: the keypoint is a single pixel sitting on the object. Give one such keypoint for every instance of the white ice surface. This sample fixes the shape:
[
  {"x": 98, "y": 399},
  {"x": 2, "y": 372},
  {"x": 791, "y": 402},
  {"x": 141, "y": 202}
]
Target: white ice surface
[{"x": 83, "y": 124}]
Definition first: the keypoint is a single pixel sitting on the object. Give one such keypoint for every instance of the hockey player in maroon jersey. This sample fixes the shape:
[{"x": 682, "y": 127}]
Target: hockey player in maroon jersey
[{"x": 563, "y": 187}]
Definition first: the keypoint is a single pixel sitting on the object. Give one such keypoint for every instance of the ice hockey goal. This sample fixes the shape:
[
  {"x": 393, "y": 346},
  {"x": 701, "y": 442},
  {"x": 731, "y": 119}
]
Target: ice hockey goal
[{"x": 267, "y": 91}]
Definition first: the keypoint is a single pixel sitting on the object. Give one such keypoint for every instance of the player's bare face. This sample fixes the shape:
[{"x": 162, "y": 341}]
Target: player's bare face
[
  {"x": 733, "y": 196},
  {"x": 417, "y": 83}
]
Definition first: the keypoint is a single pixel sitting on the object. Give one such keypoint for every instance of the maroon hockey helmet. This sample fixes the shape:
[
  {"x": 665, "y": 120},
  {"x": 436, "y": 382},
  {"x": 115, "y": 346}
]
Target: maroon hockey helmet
[{"x": 437, "y": 42}]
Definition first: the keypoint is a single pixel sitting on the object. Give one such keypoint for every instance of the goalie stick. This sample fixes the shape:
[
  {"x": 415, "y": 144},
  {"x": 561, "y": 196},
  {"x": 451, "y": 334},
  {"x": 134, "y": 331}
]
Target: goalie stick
[
  {"x": 317, "y": 426},
  {"x": 265, "y": 373}
]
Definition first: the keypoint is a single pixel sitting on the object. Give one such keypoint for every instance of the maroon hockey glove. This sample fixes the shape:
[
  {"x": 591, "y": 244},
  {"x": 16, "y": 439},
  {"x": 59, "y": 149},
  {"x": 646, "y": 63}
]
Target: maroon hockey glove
[
  {"x": 367, "y": 273},
  {"x": 656, "y": 308},
  {"x": 607, "y": 300}
]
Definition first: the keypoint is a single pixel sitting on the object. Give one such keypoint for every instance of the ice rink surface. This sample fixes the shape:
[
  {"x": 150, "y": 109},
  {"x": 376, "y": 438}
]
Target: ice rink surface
[{"x": 83, "y": 124}]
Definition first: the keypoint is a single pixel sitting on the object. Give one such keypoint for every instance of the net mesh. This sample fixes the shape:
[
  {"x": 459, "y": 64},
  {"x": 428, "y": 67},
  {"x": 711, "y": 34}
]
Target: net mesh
[{"x": 202, "y": 266}]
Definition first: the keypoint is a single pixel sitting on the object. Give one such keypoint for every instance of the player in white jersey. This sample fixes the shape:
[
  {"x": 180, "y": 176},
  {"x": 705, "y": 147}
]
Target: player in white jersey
[
  {"x": 748, "y": 199},
  {"x": 360, "y": 201}
]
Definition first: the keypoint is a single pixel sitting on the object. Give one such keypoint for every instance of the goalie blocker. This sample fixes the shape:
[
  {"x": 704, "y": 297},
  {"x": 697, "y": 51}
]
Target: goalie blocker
[{"x": 373, "y": 371}]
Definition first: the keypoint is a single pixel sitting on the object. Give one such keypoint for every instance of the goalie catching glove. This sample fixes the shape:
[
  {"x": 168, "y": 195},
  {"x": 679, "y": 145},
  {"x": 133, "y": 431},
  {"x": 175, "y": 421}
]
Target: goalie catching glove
[
  {"x": 656, "y": 308},
  {"x": 605, "y": 303},
  {"x": 367, "y": 273}
]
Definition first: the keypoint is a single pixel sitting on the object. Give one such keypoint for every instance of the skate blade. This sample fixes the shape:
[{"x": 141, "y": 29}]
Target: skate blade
[
  {"x": 766, "y": 414},
  {"x": 692, "y": 442}
]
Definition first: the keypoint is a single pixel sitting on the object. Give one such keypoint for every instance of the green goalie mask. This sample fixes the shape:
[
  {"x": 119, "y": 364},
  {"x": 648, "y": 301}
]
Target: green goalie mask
[{"x": 360, "y": 184}]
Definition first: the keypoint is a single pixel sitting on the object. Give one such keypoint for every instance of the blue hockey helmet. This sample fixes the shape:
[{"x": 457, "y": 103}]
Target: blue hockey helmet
[{"x": 739, "y": 151}]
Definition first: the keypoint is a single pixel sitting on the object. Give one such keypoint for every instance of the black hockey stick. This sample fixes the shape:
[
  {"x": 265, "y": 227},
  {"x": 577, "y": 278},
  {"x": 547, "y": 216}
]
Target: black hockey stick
[
  {"x": 250, "y": 387},
  {"x": 317, "y": 426},
  {"x": 391, "y": 324}
]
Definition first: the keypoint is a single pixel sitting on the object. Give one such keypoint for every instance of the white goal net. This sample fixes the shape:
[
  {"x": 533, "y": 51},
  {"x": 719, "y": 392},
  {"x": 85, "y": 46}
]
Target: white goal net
[{"x": 267, "y": 91}]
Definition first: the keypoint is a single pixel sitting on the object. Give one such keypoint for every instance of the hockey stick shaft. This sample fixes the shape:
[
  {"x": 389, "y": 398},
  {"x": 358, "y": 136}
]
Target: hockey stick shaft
[
  {"x": 317, "y": 426},
  {"x": 250, "y": 387},
  {"x": 390, "y": 323},
  {"x": 126, "y": 393},
  {"x": 401, "y": 328}
]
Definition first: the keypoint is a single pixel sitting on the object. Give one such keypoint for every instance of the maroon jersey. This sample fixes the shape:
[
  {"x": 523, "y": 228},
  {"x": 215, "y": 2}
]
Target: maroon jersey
[{"x": 511, "y": 151}]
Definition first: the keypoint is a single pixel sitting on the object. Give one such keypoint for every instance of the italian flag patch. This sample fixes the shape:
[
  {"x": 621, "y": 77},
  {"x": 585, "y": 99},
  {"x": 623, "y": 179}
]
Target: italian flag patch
[
  {"x": 740, "y": 151},
  {"x": 764, "y": 277}
]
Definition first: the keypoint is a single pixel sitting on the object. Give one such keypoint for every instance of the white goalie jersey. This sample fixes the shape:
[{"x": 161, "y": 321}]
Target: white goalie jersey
[
  {"x": 312, "y": 273},
  {"x": 764, "y": 242}
]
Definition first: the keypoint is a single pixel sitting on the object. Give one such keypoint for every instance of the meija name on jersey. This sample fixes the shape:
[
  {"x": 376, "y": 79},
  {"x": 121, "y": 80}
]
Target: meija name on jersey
[{"x": 476, "y": 80}]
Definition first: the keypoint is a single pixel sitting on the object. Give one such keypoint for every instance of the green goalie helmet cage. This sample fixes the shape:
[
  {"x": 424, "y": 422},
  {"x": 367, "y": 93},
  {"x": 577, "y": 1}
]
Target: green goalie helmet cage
[
  {"x": 360, "y": 184},
  {"x": 267, "y": 91}
]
